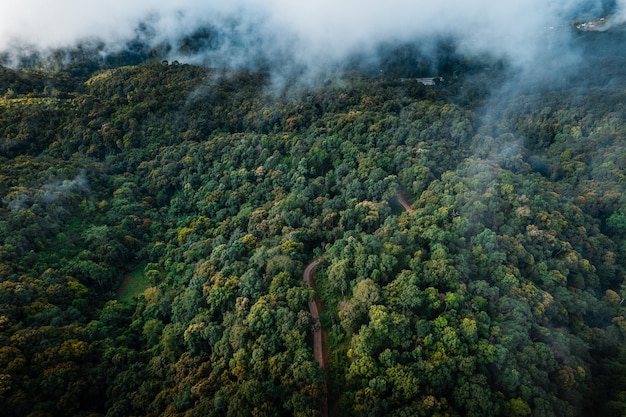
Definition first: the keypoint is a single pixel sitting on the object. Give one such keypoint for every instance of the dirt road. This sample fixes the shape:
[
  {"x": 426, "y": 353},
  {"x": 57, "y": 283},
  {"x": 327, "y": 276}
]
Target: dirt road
[
  {"x": 318, "y": 345},
  {"x": 318, "y": 350},
  {"x": 314, "y": 309}
]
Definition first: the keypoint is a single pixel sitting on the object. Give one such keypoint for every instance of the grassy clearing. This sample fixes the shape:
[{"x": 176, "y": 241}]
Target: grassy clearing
[{"x": 133, "y": 284}]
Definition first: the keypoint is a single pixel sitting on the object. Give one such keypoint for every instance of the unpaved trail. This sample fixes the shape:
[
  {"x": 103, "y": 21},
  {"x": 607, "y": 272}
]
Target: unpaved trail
[
  {"x": 318, "y": 350},
  {"x": 318, "y": 345},
  {"x": 314, "y": 308}
]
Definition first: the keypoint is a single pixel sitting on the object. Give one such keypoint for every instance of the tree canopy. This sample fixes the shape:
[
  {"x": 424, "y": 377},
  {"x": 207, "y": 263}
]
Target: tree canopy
[{"x": 499, "y": 293}]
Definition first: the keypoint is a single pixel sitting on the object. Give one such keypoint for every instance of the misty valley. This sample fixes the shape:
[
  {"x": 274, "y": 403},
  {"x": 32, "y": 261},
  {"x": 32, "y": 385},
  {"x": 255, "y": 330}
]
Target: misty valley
[{"x": 460, "y": 221}]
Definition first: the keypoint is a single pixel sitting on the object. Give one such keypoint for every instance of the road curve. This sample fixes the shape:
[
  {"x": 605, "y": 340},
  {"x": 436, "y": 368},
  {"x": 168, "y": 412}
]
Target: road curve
[
  {"x": 318, "y": 349},
  {"x": 318, "y": 345}
]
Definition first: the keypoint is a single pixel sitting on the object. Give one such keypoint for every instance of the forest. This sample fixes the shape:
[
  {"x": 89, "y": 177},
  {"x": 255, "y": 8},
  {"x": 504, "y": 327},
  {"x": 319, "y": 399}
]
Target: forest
[{"x": 156, "y": 219}]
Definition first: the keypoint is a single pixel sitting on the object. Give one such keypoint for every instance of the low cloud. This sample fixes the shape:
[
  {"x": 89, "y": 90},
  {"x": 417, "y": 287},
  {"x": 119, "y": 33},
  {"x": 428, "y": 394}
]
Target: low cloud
[
  {"x": 620, "y": 14},
  {"x": 305, "y": 33},
  {"x": 55, "y": 191}
]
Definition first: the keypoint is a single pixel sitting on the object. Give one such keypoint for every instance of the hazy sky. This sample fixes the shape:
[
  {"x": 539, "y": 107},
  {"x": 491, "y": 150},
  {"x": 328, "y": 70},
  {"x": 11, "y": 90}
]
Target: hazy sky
[{"x": 309, "y": 30}]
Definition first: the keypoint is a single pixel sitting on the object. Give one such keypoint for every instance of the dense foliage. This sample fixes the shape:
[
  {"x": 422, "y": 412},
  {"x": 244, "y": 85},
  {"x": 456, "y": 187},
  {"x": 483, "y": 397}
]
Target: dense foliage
[{"x": 499, "y": 294}]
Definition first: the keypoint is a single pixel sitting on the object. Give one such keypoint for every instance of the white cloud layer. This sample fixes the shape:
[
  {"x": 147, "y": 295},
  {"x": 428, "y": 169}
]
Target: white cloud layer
[
  {"x": 620, "y": 14},
  {"x": 311, "y": 31}
]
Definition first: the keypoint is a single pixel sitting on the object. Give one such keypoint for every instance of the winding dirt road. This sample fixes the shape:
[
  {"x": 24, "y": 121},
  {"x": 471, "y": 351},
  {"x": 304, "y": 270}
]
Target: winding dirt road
[
  {"x": 314, "y": 308},
  {"x": 318, "y": 345}
]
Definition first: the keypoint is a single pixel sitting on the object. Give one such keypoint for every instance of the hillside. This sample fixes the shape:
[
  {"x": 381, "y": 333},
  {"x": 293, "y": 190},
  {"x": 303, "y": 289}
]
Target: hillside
[{"x": 499, "y": 293}]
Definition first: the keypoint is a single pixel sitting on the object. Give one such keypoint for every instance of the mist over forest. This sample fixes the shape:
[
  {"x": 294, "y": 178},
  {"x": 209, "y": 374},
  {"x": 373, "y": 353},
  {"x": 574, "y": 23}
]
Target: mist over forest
[
  {"x": 275, "y": 208},
  {"x": 289, "y": 39}
]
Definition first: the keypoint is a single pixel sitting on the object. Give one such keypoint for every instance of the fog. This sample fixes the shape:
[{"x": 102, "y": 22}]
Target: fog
[
  {"x": 308, "y": 34},
  {"x": 620, "y": 13}
]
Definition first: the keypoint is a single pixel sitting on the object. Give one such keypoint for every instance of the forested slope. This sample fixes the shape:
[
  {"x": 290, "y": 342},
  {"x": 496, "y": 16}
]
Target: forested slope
[{"x": 499, "y": 294}]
